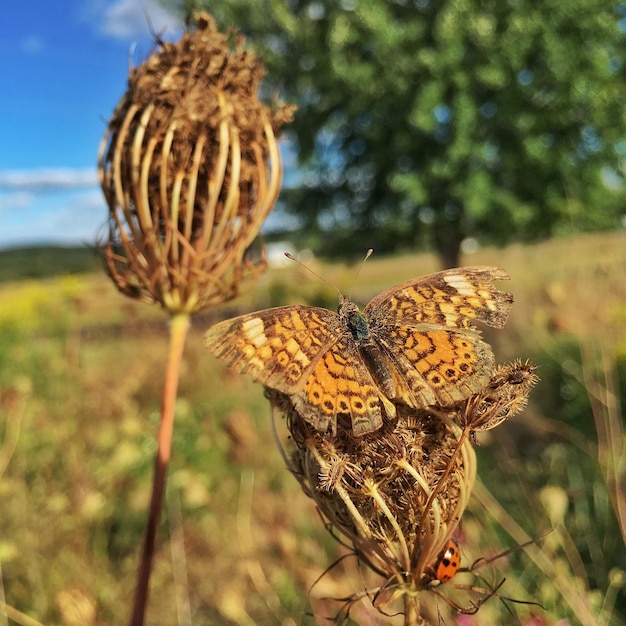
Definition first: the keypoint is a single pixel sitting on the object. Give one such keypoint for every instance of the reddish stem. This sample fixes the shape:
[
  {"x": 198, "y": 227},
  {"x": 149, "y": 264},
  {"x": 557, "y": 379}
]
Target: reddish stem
[{"x": 178, "y": 334}]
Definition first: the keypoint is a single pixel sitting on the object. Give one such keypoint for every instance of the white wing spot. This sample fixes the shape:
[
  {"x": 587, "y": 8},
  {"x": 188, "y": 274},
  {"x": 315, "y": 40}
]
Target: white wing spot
[
  {"x": 460, "y": 284},
  {"x": 253, "y": 329}
]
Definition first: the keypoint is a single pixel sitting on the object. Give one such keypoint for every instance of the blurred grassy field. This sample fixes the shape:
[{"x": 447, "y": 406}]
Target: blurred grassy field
[{"x": 80, "y": 376}]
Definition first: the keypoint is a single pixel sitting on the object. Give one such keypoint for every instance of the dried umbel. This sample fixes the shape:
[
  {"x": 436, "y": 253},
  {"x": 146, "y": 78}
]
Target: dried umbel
[
  {"x": 384, "y": 491},
  {"x": 503, "y": 396},
  {"x": 398, "y": 494},
  {"x": 190, "y": 169}
]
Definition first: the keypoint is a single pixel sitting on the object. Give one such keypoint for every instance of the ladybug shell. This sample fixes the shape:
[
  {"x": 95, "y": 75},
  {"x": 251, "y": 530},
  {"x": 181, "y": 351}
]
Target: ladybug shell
[{"x": 448, "y": 562}]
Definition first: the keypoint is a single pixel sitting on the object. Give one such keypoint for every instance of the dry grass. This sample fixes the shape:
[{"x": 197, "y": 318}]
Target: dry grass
[{"x": 80, "y": 380}]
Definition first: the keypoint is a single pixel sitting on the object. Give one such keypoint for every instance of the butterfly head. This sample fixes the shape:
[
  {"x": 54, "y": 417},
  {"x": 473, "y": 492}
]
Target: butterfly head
[{"x": 353, "y": 319}]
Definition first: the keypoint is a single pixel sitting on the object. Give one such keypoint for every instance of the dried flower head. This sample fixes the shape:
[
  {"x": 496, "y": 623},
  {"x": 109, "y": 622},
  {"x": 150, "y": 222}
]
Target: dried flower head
[
  {"x": 398, "y": 494},
  {"x": 503, "y": 396},
  {"x": 190, "y": 169},
  {"x": 378, "y": 490}
]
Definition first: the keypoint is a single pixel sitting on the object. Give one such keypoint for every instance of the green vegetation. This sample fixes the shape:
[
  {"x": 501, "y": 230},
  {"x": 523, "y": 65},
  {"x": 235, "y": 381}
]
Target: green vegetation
[
  {"x": 427, "y": 122},
  {"x": 45, "y": 261},
  {"x": 80, "y": 382}
]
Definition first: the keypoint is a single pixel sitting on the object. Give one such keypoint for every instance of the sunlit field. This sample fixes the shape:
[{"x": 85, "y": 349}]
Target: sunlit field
[{"x": 81, "y": 369}]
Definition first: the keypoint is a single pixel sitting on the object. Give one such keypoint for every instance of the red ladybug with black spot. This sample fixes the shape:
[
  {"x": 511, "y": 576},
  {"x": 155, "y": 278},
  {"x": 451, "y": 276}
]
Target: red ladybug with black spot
[{"x": 448, "y": 562}]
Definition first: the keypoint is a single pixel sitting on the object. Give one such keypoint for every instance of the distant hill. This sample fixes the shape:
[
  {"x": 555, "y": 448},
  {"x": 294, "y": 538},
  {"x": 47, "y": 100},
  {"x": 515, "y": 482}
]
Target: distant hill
[{"x": 44, "y": 261}]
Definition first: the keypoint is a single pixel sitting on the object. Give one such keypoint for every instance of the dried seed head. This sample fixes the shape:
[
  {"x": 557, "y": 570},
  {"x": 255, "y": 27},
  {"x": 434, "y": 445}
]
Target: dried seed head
[
  {"x": 190, "y": 169},
  {"x": 376, "y": 489},
  {"x": 503, "y": 396},
  {"x": 398, "y": 493}
]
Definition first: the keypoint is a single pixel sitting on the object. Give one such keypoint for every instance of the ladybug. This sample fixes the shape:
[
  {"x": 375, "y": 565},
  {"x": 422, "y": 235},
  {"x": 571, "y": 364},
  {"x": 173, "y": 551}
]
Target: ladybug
[{"x": 448, "y": 562}]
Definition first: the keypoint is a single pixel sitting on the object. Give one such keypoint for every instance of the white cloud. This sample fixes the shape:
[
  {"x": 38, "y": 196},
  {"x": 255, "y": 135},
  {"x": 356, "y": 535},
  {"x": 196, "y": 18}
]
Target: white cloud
[
  {"x": 15, "y": 200},
  {"x": 40, "y": 179},
  {"x": 31, "y": 44},
  {"x": 80, "y": 218},
  {"x": 50, "y": 205},
  {"x": 131, "y": 19},
  {"x": 67, "y": 217}
]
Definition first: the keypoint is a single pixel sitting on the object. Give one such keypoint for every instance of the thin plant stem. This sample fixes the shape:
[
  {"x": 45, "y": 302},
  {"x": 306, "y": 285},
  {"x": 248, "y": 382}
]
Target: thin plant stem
[
  {"x": 178, "y": 334},
  {"x": 17, "y": 616},
  {"x": 179, "y": 561},
  {"x": 568, "y": 588},
  {"x": 411, "y": 610},
  {"x": 14, "y": 416}
]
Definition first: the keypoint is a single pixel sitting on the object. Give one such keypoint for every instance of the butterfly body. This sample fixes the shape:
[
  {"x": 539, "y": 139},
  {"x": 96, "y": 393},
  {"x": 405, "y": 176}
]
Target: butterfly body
[
  {"x": 413, "y": 343},
  {"x": 369, "y": 350}
]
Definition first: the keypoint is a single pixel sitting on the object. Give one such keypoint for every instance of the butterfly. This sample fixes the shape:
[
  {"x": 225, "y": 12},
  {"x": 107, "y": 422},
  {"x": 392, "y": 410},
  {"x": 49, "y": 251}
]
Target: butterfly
[{"x": 413, "y": 343}]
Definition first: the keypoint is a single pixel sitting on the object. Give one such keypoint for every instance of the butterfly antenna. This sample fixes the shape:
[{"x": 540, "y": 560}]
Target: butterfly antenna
[
  {"x": 308, "y": 269},
  {"x": 368, "y": 254}
]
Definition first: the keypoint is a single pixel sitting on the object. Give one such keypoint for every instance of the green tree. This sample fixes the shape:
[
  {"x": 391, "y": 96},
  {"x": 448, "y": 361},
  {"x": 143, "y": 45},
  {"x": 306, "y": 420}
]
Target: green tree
[{"x": 425, "y": 122}]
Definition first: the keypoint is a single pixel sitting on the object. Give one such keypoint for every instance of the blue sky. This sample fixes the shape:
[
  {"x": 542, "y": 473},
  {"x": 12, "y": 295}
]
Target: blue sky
[{"x": 64, "y": 66}]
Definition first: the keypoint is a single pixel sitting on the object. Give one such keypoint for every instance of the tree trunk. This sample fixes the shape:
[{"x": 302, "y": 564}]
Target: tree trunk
[{"x": 448, "y": 233}]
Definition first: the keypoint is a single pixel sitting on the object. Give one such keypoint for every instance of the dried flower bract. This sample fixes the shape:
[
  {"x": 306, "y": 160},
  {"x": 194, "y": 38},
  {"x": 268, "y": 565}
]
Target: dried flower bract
[{"x": 190, "y": 169}]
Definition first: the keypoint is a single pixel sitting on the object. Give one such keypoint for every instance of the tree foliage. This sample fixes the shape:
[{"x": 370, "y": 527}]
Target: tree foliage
[{"x": 424, "y": 121}]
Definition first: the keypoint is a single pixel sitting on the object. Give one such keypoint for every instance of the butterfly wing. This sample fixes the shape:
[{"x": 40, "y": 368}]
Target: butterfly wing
[
  {"x": 424, "y": 328},
  {"x": 306, "y": 353},
  {"x": 277, "y": 347},
  {"x": 341, "y": 384},
  {"x": 449, "y": 299}
]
